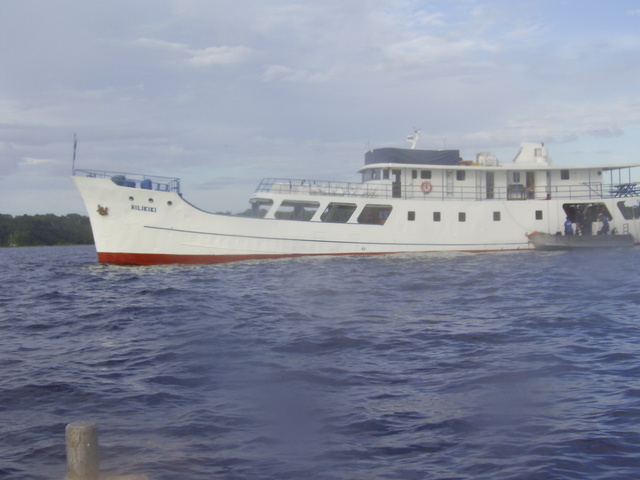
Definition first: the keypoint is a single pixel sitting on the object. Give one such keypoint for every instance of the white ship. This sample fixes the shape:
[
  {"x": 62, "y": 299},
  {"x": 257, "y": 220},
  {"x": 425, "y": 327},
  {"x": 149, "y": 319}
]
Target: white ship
[{"x": 408, "y": 201}]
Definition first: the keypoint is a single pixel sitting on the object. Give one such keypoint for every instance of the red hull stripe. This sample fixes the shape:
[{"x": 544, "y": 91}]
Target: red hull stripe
[{"x": 165, "y": 259}]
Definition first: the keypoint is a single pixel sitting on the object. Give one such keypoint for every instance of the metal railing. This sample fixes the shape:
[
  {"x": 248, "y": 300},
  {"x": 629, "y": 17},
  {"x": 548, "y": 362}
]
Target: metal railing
[
  {"x": 135, "y": 180},
  {"x": 581, "y": 191}
]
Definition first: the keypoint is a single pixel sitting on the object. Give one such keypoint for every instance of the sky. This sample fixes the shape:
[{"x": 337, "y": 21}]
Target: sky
[{"x": 225, "y": 93}]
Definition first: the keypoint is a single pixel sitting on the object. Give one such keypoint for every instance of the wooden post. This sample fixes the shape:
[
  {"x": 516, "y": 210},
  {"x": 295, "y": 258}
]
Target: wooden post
[{"x": 82, "y": 451}]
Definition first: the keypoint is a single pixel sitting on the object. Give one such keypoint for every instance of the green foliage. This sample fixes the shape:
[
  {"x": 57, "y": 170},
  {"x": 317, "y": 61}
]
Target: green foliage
[{"x": 32, "y": 230}]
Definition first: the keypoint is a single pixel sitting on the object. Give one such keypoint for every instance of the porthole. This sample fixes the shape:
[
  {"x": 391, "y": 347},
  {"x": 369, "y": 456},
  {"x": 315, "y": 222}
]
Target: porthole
[
  {"x": 169, "y": 203},
  {"x": 151, "y": 200},
  {"x": 131, "y": 199}
]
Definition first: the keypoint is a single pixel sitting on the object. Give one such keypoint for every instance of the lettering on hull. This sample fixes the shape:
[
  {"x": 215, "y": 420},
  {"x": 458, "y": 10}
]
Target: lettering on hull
[{"x": 143, "y": 209}]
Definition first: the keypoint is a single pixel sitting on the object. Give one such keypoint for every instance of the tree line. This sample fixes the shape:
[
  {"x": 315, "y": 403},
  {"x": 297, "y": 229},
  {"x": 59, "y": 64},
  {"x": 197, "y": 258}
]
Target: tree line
[{"x": 49, "y": 229}]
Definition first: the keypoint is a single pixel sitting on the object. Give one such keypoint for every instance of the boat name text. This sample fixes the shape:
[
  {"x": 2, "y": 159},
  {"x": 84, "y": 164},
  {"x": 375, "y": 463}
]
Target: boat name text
[{"x": 143, "y": 209}]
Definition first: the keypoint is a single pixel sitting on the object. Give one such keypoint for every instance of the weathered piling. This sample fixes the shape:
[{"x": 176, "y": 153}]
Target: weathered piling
[
  {"x": 82, "y": 451},
  {"x": 83, "y": 462}
]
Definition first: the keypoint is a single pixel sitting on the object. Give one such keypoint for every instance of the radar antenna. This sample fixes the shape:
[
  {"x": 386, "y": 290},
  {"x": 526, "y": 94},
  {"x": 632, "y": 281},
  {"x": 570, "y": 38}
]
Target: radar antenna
[{"x": 413, "y": 139}]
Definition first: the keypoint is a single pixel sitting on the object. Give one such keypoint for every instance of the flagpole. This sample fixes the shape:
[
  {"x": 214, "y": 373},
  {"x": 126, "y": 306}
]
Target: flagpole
[{"x": 73, "y": 164}]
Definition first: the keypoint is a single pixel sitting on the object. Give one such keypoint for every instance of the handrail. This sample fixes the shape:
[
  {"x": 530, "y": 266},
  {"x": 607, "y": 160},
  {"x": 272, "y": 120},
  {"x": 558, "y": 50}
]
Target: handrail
[
  {"x": 387, "y": 190},
  {"x": 133, "y": 180}
]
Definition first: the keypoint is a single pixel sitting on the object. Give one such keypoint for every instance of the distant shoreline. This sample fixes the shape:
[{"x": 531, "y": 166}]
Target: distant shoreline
[{"x": 46, "y": 230}]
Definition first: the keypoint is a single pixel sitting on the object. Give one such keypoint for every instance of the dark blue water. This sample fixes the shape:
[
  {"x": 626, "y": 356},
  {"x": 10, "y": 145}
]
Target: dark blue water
[{"x": 443, "y": 366}]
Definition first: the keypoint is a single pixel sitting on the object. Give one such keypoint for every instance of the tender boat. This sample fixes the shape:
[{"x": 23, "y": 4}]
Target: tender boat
[
  {"x": 408, "y": 200},
  {"x": 545, "y": 241}
]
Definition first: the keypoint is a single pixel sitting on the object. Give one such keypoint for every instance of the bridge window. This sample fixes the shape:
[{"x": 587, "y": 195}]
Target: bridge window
[
  {"x": 297, "y": 210},
  {"x": 374, "y": 214},
  {"x": 260, "y": 207},
  {"x": 371, "y": 174},
  {"x": 629, "y": 209},
  {"x": 338, "y": 212}
]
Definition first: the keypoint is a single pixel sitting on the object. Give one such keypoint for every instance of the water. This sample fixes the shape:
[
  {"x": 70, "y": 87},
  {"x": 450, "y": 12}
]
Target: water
[{"x": 442, "y": 366}]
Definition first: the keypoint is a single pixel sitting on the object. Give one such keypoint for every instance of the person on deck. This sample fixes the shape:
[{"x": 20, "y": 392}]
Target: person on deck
[
  {"x": 605, "y": 224},
  {"x": 568, "y": 227}
]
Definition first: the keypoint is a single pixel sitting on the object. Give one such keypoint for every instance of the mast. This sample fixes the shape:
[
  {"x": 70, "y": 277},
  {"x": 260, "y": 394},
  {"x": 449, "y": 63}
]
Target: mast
[{"x": 73, "y": 162}]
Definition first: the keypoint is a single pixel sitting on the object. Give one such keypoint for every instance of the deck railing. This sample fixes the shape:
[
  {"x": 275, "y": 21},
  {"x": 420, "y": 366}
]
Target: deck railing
[
  {"x": 581, "y": 191},
  {"x": 135, "y": 180}
]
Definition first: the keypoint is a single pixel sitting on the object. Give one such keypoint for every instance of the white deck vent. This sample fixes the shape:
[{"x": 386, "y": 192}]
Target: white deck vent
[{"x": 487, "y": 159}]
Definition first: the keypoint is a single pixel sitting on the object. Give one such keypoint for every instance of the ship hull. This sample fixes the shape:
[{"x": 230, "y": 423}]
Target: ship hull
[{"x": 132, "y": 226}]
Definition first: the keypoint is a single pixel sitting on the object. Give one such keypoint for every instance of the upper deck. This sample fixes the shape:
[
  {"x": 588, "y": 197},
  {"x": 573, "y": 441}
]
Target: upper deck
[{"x": 443, "y": 175}]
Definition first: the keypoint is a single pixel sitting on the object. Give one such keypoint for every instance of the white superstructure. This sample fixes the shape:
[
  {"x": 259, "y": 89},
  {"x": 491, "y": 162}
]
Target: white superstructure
[{"x": 408, "y": 201}]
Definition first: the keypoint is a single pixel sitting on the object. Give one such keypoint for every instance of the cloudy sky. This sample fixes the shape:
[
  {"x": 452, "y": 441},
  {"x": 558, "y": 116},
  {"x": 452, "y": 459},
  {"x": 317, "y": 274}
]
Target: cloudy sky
[{"x": 224, "y": 93}]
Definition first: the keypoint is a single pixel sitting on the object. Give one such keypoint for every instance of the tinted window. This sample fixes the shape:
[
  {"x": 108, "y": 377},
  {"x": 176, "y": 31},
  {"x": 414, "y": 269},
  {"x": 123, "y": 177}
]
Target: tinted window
[{"x": 338, "y": 212}]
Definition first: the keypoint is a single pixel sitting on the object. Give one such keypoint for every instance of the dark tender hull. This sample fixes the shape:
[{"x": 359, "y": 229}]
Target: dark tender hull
[{"x": 544, "y": 241}]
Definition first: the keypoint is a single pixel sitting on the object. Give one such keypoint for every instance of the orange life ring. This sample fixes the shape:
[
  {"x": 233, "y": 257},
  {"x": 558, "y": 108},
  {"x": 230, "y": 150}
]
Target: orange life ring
[{"x": 426, "y": 187}]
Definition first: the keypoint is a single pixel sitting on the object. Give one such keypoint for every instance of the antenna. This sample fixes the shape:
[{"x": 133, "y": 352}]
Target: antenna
[
  {"x": 413, "y": 139},
  {"x": 73, "y": 163}
]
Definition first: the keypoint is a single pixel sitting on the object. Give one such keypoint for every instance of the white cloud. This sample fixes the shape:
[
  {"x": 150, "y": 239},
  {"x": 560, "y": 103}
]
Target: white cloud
[
  {"x": 223, "y": 55},
  {"x": 36, "y": 161}
]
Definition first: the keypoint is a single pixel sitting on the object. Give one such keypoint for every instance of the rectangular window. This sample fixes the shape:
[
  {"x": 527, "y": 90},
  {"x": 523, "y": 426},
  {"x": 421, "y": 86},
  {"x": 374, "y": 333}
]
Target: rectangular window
[
  {"x": 629, "y": 212},
  {"x": 462, "y": 217},
  {"x": 496, "y": 216},
  {"x": 516, "y": 177},
  {"x": 538, "y": 214},
  {"x": 436, "y": 216},
  {"x": 374, "y": 214},
  {"x": 564, "y": 174},
  {"x": 414, "y": 174},
  {"x": 338, "y": 212},
  {"x": 260, "y": 207},
  {"x": 425, "y": 174},
  {"x": 297, "y": 210},
  {"x": 385, "y": 174},
  {"x": 411, "y": 216},
  {"x": 460, "y": 175}
]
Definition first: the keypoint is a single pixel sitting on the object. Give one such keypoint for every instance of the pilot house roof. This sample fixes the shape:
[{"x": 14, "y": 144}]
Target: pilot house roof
[{"x": 412, "y": 157}]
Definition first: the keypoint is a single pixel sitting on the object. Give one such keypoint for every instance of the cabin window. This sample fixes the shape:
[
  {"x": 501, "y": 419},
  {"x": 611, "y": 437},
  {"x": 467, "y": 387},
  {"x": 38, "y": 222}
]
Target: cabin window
[
  {"x": 260, "y": 207},
  {"x": 538, "y": 214},
  {"x": 411, "y": 216},
  {"x": 496, "y": 216},
  {"x": 374, "y": 214},
  {"x": 462, "y": 217},
  {"x": 338, "y": 212},
  {"x": 460, "y": 175},
  {"x": 564, "y": 174},
  {"x": 436, "y": 216},
  {"x": 629, "y": 209},
  {"x": 425, "y": 174},
  {"x": 385, "y": 174},
  {"x": 371, "y": 174},
  {"x": 304, "y": 211},
  {"x": 516, "y": 177},
  {"x": 414, "y": 174}
]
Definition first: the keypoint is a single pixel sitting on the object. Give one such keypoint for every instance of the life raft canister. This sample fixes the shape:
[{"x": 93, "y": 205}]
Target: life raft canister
[{"x": 426, "y": 187}]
